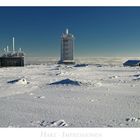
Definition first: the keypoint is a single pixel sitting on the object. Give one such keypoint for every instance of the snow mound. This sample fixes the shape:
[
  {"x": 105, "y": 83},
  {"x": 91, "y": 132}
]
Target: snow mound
[
  {"x": 31, "y": 94},
  {"x": 20, "y": 81},
  {"x": 43, "y": 123},
  {"x": 113, "y": 77},
  {"x": 81, "y": 65},
  {"x": 66, "y": 82},
  {"x": 76, "y": 83},
  {"x": 136, "y": 75},
  {"x": 132, "y": 119},
  {"x": 59, "y": 123},
  {"x": 98, "y": 84},
  {"x": 136, "y": 79},
  {"x": 39, "y": 97}
]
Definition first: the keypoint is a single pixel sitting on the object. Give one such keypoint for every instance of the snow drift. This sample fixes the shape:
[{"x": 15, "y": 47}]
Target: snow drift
[
  {"x": 81, "y": 65},
  {"x": 66, "y": 82},
  {"x": 43, "y": 123},
  {"x": 106, "y": 96},
  {"x": 20, "y": 81}
]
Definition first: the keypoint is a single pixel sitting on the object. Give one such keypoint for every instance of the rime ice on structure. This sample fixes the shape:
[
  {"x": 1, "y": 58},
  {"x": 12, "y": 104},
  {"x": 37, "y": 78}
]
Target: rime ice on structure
[
  {"x": 12, "y": 57},
  {"x": 67, "y": 48}
]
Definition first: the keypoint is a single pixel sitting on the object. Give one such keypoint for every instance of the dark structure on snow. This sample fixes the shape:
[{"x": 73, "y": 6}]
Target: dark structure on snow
[
  {"x": 12, "y": 58},
  {"x": 132, "y": 63}
]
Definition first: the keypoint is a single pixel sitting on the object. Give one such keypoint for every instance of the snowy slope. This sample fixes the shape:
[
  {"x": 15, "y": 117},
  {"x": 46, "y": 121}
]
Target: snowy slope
[{"x": 52, "y": 95}]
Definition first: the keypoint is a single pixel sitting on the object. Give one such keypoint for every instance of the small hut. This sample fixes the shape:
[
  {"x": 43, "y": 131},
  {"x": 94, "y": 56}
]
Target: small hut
[{"x": 132, "y": 63}]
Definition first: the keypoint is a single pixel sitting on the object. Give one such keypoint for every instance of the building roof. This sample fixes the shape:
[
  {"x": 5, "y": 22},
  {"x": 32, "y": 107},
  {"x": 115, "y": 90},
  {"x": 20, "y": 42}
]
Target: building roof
[
  {"x": 132, "y": 63},
  {"x": 67, "y": 35}
]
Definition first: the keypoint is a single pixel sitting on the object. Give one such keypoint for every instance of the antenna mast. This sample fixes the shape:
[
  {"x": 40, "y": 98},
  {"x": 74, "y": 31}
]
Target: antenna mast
[
  {"x": 13, "y": 44},
  {"x": 67, "y": 31},
  {"x": 7, "y": 48},
  {"x": 19, "y": 49}
]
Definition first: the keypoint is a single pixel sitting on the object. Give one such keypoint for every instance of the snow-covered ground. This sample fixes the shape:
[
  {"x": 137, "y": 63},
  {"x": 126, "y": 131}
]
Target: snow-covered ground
[{"x": 51, "y": 95}]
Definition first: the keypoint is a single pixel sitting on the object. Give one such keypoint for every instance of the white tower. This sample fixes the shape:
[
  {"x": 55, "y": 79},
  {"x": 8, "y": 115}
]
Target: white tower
[{"x": 67, "y": 47}]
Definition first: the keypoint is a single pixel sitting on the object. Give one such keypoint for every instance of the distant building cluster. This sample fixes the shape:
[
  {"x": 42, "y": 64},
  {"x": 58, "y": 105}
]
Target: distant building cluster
[
  {"x": 16, "y": 57},
  {"x": 12, "y": 57}
]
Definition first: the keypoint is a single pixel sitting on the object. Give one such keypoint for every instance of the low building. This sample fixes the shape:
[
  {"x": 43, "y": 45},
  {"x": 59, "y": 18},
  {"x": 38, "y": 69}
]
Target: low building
[
  {"x": 12, "y": 58},
  {"x": 132, "y": 63},
  {"x": 11, "y": 61}
]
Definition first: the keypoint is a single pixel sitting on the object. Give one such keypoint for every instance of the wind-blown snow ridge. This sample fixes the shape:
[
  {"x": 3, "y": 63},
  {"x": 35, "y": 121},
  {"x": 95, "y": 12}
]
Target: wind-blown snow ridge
[
  {"x": 81, "y": 65},
  {"x": 66, "y": 82},
  {"x": 18, "y": 81},
  {"x": 43, "y": 123}
]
